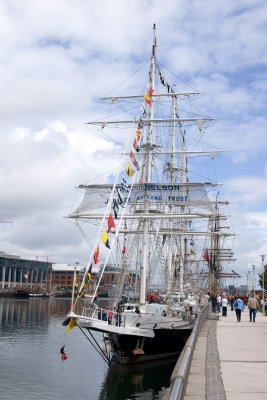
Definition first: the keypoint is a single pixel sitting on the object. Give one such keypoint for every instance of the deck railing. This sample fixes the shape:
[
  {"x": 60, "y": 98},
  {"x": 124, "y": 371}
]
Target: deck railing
[{"x": 103, "y": 314}]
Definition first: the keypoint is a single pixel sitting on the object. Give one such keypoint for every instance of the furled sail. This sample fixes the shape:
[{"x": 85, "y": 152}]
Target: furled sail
[{"x": 97, "y": 196}]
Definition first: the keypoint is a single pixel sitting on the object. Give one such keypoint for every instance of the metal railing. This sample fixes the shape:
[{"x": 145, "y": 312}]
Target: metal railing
[
  {"x": 179, "y": 377},
  {"x": 104, "y": 315}
]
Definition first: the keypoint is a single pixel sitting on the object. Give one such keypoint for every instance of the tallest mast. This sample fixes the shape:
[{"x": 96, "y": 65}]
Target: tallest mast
[
  {"x": 150, "y": 111},
  {"x": 148, "y": 164}
]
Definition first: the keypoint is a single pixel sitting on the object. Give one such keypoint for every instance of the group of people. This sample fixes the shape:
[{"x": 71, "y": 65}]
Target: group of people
[{"x": 220, "y": 302}]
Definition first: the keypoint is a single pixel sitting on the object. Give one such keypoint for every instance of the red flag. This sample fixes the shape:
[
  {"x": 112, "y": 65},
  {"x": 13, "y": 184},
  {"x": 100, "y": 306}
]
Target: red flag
[
  {"x": 134, "y": 161},
  {"x": 96, "y": 254},
  {"x": 64, "y": 356},
  {"x": 206, "y": 256},
  {"x": 135, "y": 143},
  {"x": 124, "y": 242},
  {"x": 111, "y": 223}
]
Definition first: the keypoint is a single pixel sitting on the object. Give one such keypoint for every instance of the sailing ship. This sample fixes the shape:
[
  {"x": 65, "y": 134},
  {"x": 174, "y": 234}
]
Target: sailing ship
[{"x": 160, "y": 226}]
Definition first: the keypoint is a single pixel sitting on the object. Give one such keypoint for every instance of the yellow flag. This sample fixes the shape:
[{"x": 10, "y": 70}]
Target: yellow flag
[
  {"x": 80, "y": 293},
  {"x": 147, "y": 98},
  {"x": 129, "y": 170},
  {"x": 138, "y": 133},
  {"x": 104, "y": 236},
  {"x": 105, "y": 239},
  {"x": 71, "y": 324}
]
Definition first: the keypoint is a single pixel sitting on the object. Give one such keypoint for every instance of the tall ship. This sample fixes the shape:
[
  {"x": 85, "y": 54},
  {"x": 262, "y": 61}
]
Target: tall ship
[{"x": 157, "y": 219}]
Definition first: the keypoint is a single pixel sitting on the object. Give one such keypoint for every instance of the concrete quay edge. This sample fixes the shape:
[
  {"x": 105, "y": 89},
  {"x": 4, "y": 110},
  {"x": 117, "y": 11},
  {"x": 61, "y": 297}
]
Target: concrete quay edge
[{"x": 230, "y": 359}]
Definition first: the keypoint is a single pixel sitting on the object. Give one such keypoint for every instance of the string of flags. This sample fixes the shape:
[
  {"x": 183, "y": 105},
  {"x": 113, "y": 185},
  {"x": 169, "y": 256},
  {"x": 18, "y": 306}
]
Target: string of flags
[
  {"x": 170, "y": 90},
  {"x": 117, "y": 202},
  {"x": 164, "y": 83},
  {"x": 129, "y": 170}
]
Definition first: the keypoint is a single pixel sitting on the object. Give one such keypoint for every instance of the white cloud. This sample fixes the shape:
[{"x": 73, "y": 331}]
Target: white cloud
[
  {"x": 248, "y": 191},
  {"x": 58, "y": 57}
]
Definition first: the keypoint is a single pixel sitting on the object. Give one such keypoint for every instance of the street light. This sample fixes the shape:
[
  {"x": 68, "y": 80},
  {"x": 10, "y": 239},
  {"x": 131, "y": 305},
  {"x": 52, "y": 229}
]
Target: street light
[
  {"x": 263, "y": 293},
  {"x": 253, "y": 277}
]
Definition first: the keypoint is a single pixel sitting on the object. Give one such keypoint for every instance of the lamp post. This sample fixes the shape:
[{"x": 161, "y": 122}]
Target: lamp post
[
  {"x": 263, "y": 290},
  {"x": 253, "y": 277}
]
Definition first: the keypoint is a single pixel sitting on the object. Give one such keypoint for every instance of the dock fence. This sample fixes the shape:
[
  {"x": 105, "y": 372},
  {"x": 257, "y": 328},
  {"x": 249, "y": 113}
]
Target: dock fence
[{"x": 179, "y": 377}]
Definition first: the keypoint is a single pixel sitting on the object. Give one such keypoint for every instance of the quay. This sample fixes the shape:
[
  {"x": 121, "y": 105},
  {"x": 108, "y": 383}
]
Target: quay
[{"x": 229, "y": 361}]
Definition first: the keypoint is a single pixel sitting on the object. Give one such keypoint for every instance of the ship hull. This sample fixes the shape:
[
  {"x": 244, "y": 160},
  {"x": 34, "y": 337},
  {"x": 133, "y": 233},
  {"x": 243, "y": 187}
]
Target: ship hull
[
  {"x": 166, "y": 343},
  {"x": 24, "y": 293}
]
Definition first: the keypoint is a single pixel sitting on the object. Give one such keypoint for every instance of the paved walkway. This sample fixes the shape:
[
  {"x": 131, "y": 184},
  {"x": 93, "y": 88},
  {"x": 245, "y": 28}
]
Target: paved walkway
[
  {"x": 230, "y": 360},
  {"x": 242, "y": 348}
]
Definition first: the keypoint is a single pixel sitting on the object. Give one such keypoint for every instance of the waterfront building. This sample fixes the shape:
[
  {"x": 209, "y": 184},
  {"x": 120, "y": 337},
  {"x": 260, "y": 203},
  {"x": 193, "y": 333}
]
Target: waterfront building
[
  {"x": 63, "y": 275},
  {"x": 17, "y": 272},
  {"x": 20, "y": 272}
]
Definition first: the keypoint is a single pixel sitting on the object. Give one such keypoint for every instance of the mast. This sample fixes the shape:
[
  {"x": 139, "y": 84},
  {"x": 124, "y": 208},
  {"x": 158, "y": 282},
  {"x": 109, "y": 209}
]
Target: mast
[
  {"x": 218, "y": 254},
  {"x": 172, "y": 207},
  {"x": 170, "y": 255},
  {"x": 216, "y": 249},
  {"x": 183, "y": 238},
  {"x": 148, "y": 162}
]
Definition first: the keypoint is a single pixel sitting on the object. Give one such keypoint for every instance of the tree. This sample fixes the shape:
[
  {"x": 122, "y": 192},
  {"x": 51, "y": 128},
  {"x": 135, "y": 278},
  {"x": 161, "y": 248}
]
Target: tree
[{"x": 265, "y": 278}]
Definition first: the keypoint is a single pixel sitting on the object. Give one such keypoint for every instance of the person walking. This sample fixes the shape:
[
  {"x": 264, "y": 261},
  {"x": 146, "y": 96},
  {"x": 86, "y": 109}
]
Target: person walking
[
  {"x": 224, "y": 306},
  {"x": 239, "y": 307},
  {"x": 213, "y": 300},
  {"x": 232, "y": 300},
  {"x": 219, "y": 303},
  {"x": 252, "y": 305}
]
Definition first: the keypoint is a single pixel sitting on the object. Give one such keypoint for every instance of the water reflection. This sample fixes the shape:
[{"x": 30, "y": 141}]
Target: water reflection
[
  {"x": 140, "y": 381},
  {"x": 31, "y": 335},
  {"x": 20, "y": 313}
]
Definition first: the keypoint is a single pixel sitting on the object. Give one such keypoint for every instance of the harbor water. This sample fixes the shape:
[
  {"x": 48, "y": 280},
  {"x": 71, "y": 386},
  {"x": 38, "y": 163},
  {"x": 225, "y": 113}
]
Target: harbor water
[{"x": 31, "y": 336}]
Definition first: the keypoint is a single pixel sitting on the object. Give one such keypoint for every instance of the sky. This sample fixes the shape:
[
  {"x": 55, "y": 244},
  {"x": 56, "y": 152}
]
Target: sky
[{"x": 58, "y": 57}]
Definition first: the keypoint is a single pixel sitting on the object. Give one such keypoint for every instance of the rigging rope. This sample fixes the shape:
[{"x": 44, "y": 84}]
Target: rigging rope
[{"x": 97, "y": 347}]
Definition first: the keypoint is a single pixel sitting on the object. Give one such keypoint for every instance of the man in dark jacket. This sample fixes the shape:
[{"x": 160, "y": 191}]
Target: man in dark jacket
[{"x": 213, "y": 300}]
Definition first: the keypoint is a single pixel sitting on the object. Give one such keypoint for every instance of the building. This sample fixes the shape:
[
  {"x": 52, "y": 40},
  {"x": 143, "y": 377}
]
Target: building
[
  {"x": 63, "y": 274},
  {"x": 243, "y": 289},
  {"x": 19, "y": 272}
]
